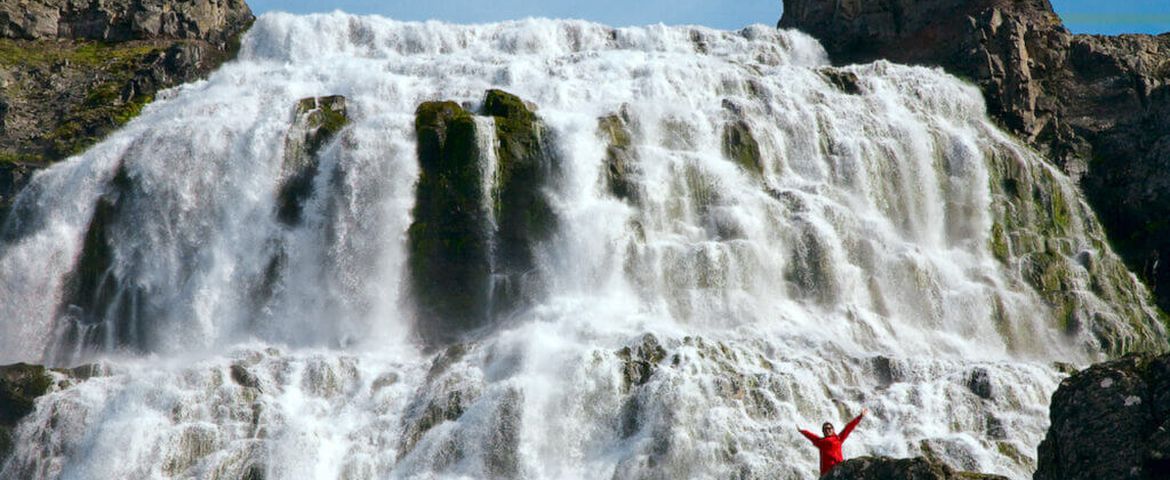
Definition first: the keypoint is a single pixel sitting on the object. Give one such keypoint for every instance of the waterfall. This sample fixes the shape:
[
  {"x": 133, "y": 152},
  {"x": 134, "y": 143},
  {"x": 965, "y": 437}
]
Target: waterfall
[{"x": 746, "y": 239}]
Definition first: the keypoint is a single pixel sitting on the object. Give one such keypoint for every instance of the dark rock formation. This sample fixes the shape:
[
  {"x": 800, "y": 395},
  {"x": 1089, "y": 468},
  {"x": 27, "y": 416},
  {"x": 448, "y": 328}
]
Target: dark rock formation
[
  {"x": 99, "y": 302},
  {"x": 640, "y": 361},
  {"x": 73, "y": 71},
  {"x": 315, "y": 122},
  {"x": 1110, "y": 420},
  {"x": 886, "y": 468},
  {"x": 526, "y": 167},
  {"x": 1098, "y": 107},
  {"x": 20, "y": 385},
  {"x": 450, "y": 253},
  {"x": 475, "y": 229}
]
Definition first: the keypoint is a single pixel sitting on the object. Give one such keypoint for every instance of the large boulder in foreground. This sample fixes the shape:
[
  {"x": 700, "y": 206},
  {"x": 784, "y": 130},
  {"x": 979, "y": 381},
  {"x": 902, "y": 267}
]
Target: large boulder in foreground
[
  {"x": 1096, "y": 106},
  {"x": 1111, "y": 420},
  {"x": 886, "y": 468}
]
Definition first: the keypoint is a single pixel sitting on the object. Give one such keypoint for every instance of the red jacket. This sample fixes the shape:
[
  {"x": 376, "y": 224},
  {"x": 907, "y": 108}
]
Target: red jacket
[{"x": 830, "y": 446}]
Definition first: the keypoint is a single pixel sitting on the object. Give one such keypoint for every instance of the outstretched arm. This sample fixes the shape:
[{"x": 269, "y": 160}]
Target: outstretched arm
[
  {"x": 852, "y": 424},
  {"x": 812, "y": 437}
]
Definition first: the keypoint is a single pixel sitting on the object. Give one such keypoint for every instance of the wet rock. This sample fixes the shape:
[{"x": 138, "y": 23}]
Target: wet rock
[
  {"x": 243, "y": 377},
  {"x": 384, "y": 380},
  {"x": 449, "y": 240},
  {"x": 504, "y": 440},
  {"x": 844, "y": 80},
  {"x": 523, "y": 214},
  {"x": 886, "y": 370},
  {"x": 20, "y": 385},
  {"x": 741, "y": 147},
  {"x": 316, "y": 120},
  {"x": 979, "y": 382},
  {"x": 472, "y": 243},
  {"x": 886, "y": 468},
  {"x": 99, "y": 304},
  {"x": 424, "y": 415},
  {"x": 1106, "y": 423},
  {"x": 620, "y": 158},
  {"x": 640, "y": 361}
]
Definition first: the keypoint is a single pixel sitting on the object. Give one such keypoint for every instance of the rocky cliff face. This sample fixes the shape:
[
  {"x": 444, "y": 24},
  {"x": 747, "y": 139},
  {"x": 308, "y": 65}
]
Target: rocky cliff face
[
  {"x": 1111, "y": 420},
  {"x": 71, "y": 71},
  {"x": 1099, "y": 107}
]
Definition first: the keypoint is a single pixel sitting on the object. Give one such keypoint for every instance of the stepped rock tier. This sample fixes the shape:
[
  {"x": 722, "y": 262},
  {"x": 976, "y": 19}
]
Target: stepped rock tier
[
  {"x": 548, "y": 249},
  {"x": 1096, "y": 106}
]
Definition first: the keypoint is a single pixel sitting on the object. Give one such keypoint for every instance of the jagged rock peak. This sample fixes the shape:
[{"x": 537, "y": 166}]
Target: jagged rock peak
[{"x": 215, "y": 21}]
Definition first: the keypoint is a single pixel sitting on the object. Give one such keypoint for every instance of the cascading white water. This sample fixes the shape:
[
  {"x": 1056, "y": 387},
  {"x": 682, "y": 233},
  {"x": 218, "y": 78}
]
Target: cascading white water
[{"x": 857, "y": 270}]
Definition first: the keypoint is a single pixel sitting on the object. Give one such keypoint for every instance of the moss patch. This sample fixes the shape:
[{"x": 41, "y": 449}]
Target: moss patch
[
  {"x": 316, "y": 121},
  {"x": 81, "y": 53},
  {"x": 741, "y": 147}
]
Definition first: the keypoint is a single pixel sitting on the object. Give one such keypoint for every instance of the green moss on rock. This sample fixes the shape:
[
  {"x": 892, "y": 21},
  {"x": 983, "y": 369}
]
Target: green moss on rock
[
  {"x": 1039, "y": 232},
  {"x": 741, "y": 147},
  {"x": 620, "y": 160},
  {"x": 450, "y": 264},
  {"x": 523, "y": 214},
  {"x": 316, "y": 121}
]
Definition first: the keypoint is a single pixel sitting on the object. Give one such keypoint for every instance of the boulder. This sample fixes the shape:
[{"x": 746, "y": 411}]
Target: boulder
[
  {"x": 886, "y": 468},
  {"x": 1109, "y": 421}
]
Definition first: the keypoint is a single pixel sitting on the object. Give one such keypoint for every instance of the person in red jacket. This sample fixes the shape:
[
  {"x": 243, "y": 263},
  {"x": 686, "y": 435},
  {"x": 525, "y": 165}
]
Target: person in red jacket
[{"x": 830, "y": 444}]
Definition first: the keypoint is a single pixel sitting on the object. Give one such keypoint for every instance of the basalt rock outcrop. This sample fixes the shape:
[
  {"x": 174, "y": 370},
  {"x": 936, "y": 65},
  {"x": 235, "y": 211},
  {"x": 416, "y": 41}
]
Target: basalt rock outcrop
[
  {"x": 480, "y": 211},
  {"x": 1111, "y": 420},
  {"x": 1096, "y": 106},
  {"x": 886, "y": 468},
  {"x": 72, "y": 71}
]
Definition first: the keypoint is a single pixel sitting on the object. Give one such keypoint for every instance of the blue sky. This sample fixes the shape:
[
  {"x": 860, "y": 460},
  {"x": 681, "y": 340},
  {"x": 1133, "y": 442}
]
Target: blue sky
[{"x": 1081, "y": 16}]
